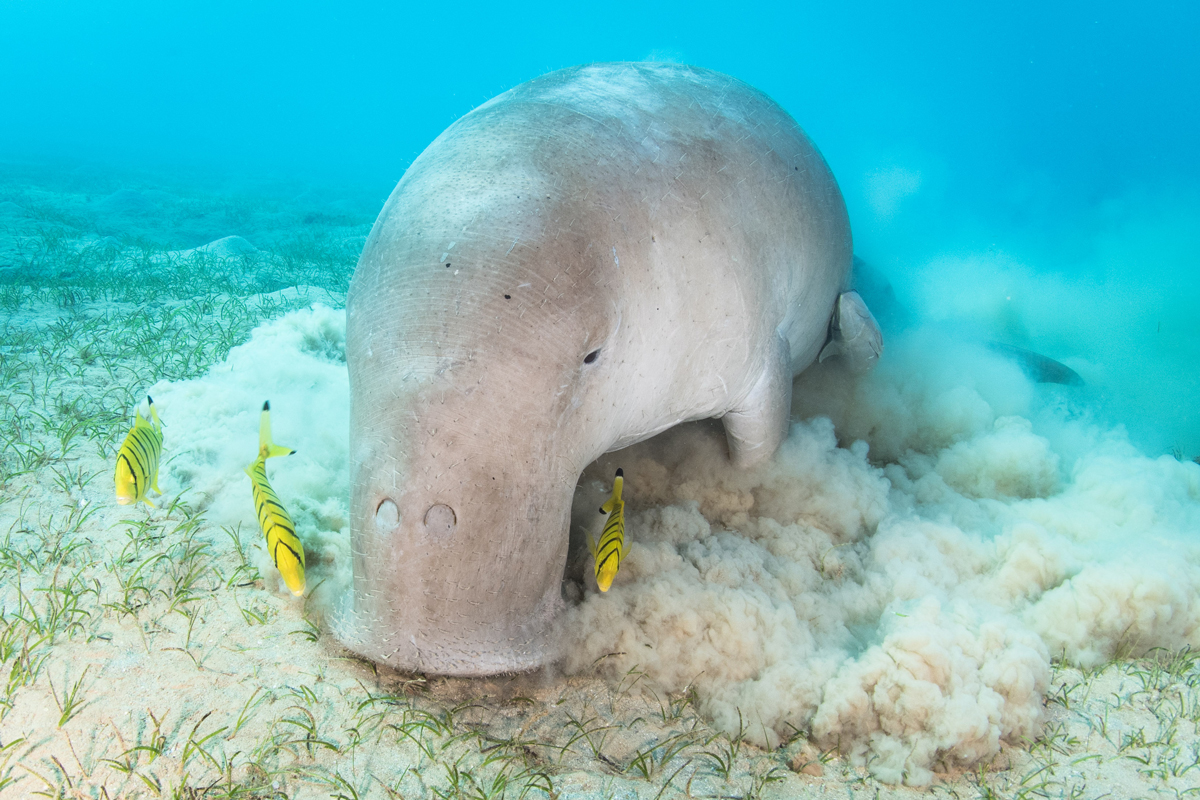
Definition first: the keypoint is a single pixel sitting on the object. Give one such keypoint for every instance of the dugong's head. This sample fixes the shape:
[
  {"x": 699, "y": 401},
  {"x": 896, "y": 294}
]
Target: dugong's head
[{"x": 481, "y": 373}]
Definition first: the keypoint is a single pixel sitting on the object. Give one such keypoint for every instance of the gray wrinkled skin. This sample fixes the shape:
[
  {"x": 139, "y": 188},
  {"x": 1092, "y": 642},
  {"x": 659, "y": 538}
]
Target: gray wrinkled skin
[{"x": 673, "y": 221}]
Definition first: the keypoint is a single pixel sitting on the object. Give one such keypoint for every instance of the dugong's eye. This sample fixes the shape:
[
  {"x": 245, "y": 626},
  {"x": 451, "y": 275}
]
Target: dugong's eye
[{"x": 591, "y": 357}]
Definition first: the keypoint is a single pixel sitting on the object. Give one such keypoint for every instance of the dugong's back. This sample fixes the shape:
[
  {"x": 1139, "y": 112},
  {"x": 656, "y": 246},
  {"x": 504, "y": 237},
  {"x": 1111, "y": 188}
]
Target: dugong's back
[{"x": 574, "y": 266}]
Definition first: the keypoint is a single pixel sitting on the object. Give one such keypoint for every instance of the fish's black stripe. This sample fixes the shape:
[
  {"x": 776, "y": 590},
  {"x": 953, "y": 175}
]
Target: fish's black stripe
[
  {"x": 278, "y": 512},
  {"x": 268, "y": 507},
  {"x": 132, "y": 450},
  {"x": 147, "y": 434},
  {"x": 270, "y": 501},
  {"x": 147, "y": 463},
  {"x": 272, "y": 521},
  {"x": 278, "y": 531},
  {"x": 265, "y": 491},
  {"x": 616, "y": 542},
  {"x": 262, "y": 487},
  {"x": 603, "y": 561},
  {"x": 132, "y": 475},
  {"x": 273, "y": 530},
  {"x": 607, "y": 547},
  {"x": 277, "y": 521},
  {"x": 144, "y": 441},
  {"x": 275, "y": 552},
  {"x": 267, "y": 521},
  {"x": 133, "y": 442}
]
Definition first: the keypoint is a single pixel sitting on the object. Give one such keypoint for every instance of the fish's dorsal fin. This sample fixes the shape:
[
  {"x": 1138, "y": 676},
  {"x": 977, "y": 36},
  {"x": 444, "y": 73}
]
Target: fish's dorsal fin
[{"x": 267, "y": 449}]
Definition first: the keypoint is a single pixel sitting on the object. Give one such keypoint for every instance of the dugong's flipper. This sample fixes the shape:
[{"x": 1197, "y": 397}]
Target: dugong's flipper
[
  {"x": 853, "y": 334},
  {"x": 755, "y": 428}
]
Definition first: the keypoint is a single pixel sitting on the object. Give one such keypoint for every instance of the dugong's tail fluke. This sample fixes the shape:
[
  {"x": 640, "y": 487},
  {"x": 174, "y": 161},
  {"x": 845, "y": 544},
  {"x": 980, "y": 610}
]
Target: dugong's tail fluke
[{"x": 1037, "y": 367}]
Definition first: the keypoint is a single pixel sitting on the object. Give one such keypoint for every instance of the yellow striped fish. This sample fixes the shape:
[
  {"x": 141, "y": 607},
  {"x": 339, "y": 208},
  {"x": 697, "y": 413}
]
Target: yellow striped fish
[
  {"x": 137, "y": 460},
  {"x": 612, "y": 547},
  {"x": 282, "y": 542}
]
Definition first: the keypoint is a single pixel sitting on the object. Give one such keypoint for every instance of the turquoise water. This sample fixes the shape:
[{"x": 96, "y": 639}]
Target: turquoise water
[
  {"x": 1012, "y": 106},
  {"x": 1054, "y": 145}
]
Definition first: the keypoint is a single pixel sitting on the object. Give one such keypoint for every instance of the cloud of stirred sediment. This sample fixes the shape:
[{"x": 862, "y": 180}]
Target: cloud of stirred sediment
[{"x": 897, "y": 580}]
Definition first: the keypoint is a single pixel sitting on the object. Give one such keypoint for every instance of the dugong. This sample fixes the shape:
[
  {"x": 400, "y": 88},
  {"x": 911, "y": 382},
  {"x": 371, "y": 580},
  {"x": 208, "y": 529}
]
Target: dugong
[{"x": 576, "y": 265}]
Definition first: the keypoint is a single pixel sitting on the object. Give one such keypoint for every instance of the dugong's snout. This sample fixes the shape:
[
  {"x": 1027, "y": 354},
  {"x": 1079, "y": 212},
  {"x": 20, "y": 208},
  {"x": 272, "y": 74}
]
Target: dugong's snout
[{"x": 454, "y": 577}]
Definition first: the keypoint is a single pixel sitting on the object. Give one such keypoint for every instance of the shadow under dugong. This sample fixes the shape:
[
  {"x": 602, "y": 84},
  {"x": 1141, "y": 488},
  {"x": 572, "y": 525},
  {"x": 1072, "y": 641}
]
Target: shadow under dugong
[{"x": 574, "y": 266}]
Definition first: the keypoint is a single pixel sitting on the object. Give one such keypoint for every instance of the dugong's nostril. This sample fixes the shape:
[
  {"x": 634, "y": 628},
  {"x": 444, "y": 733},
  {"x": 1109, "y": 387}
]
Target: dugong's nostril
[
  {"x": 387, "y": 516},
  {"x": 440, "y": 520}
]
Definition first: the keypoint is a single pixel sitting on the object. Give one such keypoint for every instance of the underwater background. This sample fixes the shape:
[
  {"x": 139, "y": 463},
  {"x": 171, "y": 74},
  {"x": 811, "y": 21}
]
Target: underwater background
[
  {"x": 952, "y": 575},
  {"x": 1056, "y": 141}
]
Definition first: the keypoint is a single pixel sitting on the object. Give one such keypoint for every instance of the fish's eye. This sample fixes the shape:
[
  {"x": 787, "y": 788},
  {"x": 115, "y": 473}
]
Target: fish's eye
[{"x": 591, "y": 357}]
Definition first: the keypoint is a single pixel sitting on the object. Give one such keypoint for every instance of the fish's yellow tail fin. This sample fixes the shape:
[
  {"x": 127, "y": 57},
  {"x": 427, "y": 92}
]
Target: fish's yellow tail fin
[
  {"x": 157, "y": 429},
  {"x": 612, "y": 501},
  {"x": 266, "y": 449},
  {"x": 158, "y": 426}
]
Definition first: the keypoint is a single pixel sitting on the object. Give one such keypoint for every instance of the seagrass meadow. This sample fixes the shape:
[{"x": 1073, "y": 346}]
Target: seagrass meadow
[{"x": 153, "y": 652}]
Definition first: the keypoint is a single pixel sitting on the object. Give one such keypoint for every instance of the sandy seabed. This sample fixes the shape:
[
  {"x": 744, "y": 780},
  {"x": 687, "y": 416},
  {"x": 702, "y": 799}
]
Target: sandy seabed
[{"x": 957, "y": 608}]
